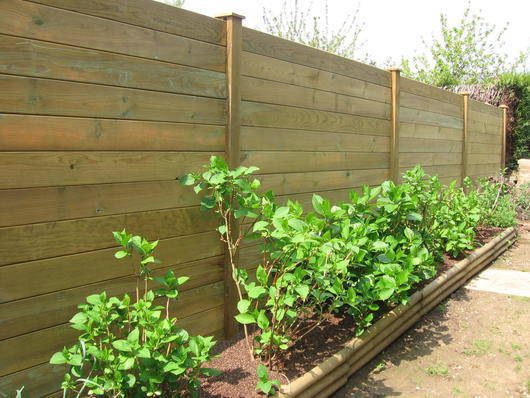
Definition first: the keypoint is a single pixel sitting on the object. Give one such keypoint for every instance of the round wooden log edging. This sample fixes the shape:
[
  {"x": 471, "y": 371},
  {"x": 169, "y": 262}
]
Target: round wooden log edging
[{"x": 326, "y": 378}]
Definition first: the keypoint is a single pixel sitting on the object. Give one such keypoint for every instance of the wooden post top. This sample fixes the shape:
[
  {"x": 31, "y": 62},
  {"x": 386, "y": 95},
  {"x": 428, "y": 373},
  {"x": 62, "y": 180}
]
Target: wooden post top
[
  {"x": 503, "y": 106},
  {"x": 232, "y": 15},
  {"x": 465, "y": 94},
  {"x": 397, "y": 70}
]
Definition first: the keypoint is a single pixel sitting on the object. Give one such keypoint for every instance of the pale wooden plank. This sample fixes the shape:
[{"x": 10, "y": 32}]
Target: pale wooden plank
[
  {"x": 483, "y": 138},
  {"x": 36, "y": 58},
  {"x": 260, "y": 90},
  {"x": 51, "y": 133},
  {"x": 429, "y": 145},
  {"x": 414, "y": 101},
  {"x": 263, "y": 67},
  {"x": 38, "y": 381},
  {"x": 40, "y": 241},
  {"x": 426, "y": 90},
  {"x": 452, "y": 171},
  {"x": 431, "y": 118},
  {"x": 292, "y": 162},
  {"x": 275, "y": 47},
  {"x": 484, "y": 169},
  {"x": 51, "y": 97},
  {"x": 280, "y": 116},
  {"x": 35, "y": 348},
  {"x": 278, "y": 139},
  {"x": 484, "y": 158},
  {"x": 36, "y": 313},
  {"x": 423, "y": 131},
  {"x": 295, "y": 183},
  {"x": 65, "y": 272},
  {"x": 151, "y": 15},
  {"x": 35, "y": 21},
  {"x": 43, "y": 169},
  {"x": 429, "y": 159},
  {"x": 37, "y": 205},
  {"x": 485, "y": 118},
  {"x": 477, "y": 148},
  {"x": 488, "y": 109}
]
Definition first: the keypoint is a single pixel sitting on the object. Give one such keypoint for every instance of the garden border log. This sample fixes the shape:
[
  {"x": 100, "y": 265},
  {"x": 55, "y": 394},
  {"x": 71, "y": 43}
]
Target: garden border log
[{"x": 333, "y": 373}]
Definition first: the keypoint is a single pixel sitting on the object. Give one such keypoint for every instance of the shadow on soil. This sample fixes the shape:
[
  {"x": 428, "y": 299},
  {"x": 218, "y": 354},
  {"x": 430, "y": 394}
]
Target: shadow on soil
[{"x": 418, "y": 341}]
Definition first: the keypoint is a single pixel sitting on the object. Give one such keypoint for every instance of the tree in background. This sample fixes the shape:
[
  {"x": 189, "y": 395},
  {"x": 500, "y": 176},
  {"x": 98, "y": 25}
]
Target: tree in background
[
  {"x": 297, "y": 23},
  {"x": 174, "y": 3},
  {"x": 467, "y": 53}
]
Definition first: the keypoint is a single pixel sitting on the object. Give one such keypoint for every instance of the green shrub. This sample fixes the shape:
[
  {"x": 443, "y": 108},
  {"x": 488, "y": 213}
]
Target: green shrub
[
  {"x": 134, "y": 348},
  {"x": 497, "y": 198}
]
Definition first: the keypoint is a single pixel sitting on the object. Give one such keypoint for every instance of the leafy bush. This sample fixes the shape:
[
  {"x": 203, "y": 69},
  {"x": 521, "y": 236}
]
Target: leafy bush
[
  {"x": 134, "y": 348},
  {"x": 497, "y": 201}
]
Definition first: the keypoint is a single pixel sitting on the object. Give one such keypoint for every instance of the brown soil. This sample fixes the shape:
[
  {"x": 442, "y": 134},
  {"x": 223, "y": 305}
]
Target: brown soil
[{"x": 238, "y": 378}]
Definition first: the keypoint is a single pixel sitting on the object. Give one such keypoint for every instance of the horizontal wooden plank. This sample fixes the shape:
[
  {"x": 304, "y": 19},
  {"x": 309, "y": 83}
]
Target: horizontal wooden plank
[
  {"x": 484, "y": 169},
  {"x": 36, "y": 313},
  {"x": 484, "y": 158},
  {"x": 268, "y": 115},
  {"x": 278, "y": 139},
  {"x": 263, "y": 67},
  {"x": 38, "y": 381},
  {"x": 275, "y": 47},
  {"x": 292, "y": 162},
  {"x": 52, "y": 133},
  {"x": 414, "y": 101},
  {"x": 481, "y": 126},
  {"x": 426, "y": 90},
  {"x": 482, "y": 107},
  {"x": 35, "y": 348},
  {"x": 75, "y": 270},
  {"x": 37, "y": 205},
  {"x": 40, "y": 22},
  {"x": 294, "y": 183},
  {"x": 429, "y": 159},
  {"x": 486, "y": 118},
  {"x": 260, "y": 90},
  {"x": 414, "y": 130},
  {"x": 44, "y": 169},
  {"x": 484, "y": 148},
  {"x": 430, "y": 118},
  {"x": 483, "y": 138},
  {"x": 40, "y": 241},
  {"x": 37, "y": 58},
  {"x": 52, "y": 97},
  {"x": 428, "y": 145},
  {"x": 441, "y": 171},
  {"x": 151, "y": 15}
]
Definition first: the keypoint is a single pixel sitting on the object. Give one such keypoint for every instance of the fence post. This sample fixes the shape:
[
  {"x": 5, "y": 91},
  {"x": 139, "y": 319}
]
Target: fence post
[
  {"x": 504, "y": 132},
  {"x": 465, "y": 138},
  {"x": 234, "y": 32},
  {"x": 394, "y": 137}
]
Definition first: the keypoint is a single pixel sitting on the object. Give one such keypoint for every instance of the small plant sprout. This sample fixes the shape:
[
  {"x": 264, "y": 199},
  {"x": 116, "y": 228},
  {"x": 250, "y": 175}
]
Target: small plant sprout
[{"x": 266, "y": 385}]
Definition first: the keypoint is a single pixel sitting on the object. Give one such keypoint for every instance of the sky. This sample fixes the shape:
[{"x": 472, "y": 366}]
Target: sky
[{"x": 393, "y": 28}]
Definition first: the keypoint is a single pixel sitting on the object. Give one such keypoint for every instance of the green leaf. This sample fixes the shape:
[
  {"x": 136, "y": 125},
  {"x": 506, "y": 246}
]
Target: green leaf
[
  {"x": 263, "y": 321},
  {"x": 256, "y": 292},
  {"x": 58, "y": 358},
  {"x": 297, "y": 224},
  {"x": 122, "y": 345},
  {"x": 79, "y": 318},
  {"x": 302, "y": 290},
  {"x": 222, "y": 229},
  {"x": 409, "y": 233},
  {"x": 262, "y": 372},
  {"x": 243, "y": 306},
  {"x": 414, "y": 217},
  {"x": 134, "y": 336},
  {"x": 379, "y": 245},
  {"x": 245, "y": 319},
  {"x": 260, "y": 225},
  {"x": 261, "y": 275},
  {"x": 121, "y": 254},
  {"x": 187, "y": 179}
]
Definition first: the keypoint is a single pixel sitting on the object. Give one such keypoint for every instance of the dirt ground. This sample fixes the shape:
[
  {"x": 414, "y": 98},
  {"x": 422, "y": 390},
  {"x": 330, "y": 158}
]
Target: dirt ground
[{"x": 474, "y": 344}]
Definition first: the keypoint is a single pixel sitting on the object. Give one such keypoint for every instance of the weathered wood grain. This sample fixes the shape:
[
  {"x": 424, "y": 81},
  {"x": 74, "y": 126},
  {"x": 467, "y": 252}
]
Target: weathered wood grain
[
  {"x": 37, "y": 58},
  {"x": 485, "y": 158},
  {"x": 268, "y": 68},
  {"x": 271, "y": 92},
  {"x": 40, "y": 22},
  {"x": 482, "y": 107},
  {"x": 430, "y": 118},
  {"x": 281, "y": 116},
  {"x": 44, "y": 378},
  {"x": 275, "y": 47},
  {"x": 50, "y": 97},
  {"x": 419, "y": 102},
  {"x": 484, "y": 138},
  {"x": 66, "y": 272},
  {"x": 411, "y": 159},
  {"x": 484, "y": 169},
  {"x": 477, "y": 148},
  {"x": 40, "y": 241},
  {"x": 51, "y": 133},
  {"x": 428, "y": 91},
  {"x": 292, "y": 162},
  {"x": 44, "y": 169},
  {"x": 145, "y": 13},
  {"x": 415, "y": 130},
  {"x": 429, "y": 145}
]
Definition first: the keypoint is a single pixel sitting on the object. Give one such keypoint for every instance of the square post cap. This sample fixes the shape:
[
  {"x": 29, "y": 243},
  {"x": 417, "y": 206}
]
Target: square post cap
[{"x": 230, "y": 15}]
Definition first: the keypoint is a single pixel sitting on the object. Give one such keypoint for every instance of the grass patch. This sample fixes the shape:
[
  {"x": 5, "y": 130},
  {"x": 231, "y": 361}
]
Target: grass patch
[{"x": 437, "y": 369}]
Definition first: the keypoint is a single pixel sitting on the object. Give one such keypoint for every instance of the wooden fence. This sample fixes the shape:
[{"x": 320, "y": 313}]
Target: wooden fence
[{"x": 103, "y": 104}]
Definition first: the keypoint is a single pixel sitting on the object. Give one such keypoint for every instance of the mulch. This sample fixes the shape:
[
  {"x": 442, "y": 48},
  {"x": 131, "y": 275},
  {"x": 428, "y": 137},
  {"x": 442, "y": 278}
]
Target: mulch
[{"x": 238, "y": 378}]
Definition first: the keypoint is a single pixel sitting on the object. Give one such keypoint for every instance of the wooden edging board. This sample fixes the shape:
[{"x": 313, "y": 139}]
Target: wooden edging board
[{"x": 326, "y": 378}]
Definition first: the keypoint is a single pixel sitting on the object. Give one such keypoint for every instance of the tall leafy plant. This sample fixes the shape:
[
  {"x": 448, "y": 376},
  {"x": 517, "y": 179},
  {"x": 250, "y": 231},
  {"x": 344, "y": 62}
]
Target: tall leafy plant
[{"x": 133, "y": 347}]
